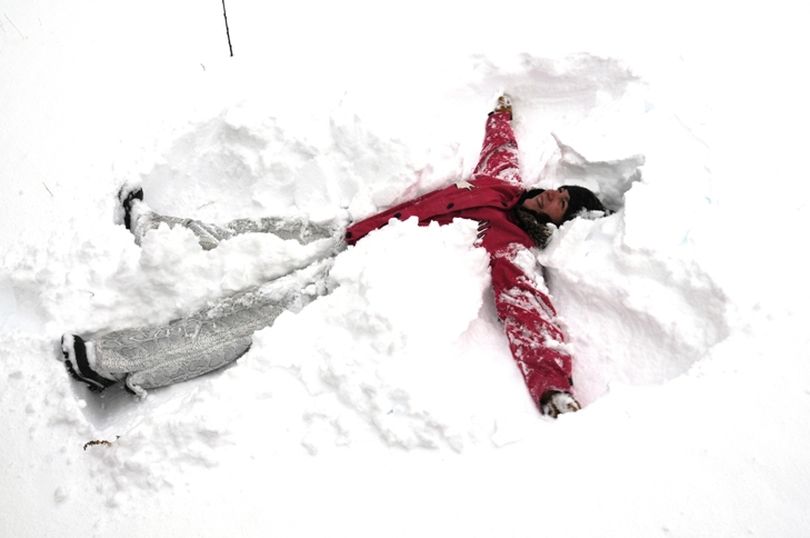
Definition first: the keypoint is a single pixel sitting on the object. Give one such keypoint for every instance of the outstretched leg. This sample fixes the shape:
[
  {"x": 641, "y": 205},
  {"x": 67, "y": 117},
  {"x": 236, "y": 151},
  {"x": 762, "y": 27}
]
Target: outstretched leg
[
  {"x": 139, "y": 219},
  {"x": 499, "y": 153},
  {"x": 178, "y": 367},
  {"x": 156, "y": 356}
]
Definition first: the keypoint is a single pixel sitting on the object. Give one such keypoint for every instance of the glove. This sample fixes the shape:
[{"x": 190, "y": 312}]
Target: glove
[
  {"x": 554, "y": 402},
  {"x": 504, "y": 104}
]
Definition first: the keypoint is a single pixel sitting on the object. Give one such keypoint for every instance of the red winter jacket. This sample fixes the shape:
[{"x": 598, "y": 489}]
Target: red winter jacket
[{"x": 526, "y": 312}]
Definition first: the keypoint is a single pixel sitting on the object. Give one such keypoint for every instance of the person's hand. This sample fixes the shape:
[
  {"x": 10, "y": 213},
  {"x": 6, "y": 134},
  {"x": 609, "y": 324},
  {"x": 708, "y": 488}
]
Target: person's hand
[
  {"x": 504, "y": 104},
  {"x": 554, "y": 402}
]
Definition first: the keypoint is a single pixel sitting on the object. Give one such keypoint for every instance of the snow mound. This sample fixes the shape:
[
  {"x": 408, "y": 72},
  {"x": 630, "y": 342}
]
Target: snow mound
[{"x": 634, "y": 317}]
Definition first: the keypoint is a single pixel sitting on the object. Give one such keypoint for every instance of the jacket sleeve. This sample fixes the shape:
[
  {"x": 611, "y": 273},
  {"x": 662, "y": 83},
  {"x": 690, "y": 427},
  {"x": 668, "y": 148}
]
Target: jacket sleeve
[
  {"x": 499, "y": 153},
  {"x": 529, "y": 319}
]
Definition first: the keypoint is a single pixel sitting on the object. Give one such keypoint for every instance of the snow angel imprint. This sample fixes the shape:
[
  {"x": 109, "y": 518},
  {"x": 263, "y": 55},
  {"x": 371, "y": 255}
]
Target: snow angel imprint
[{"x": 512, "y": 220}]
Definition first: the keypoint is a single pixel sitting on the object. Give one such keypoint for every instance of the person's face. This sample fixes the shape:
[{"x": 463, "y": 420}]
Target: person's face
[{"x": 551, "y": 203}]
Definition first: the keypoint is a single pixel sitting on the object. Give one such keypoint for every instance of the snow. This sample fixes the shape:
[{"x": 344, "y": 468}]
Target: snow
[{"x": 392, "y": 405}]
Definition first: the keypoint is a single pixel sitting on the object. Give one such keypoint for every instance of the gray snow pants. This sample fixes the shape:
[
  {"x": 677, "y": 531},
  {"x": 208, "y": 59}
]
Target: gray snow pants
[
  {"x": 210, "y": 235},
  {"x": 156, "y": 356}
]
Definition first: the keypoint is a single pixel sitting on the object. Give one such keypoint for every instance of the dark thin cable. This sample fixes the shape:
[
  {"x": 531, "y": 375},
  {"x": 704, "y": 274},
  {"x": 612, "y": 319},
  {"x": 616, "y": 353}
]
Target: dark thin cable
[{"x": 227, "y": 30}]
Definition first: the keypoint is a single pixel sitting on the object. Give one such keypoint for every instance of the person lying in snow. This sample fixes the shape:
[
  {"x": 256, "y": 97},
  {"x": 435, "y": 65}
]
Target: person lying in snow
[{"x": 512, "y": 220}]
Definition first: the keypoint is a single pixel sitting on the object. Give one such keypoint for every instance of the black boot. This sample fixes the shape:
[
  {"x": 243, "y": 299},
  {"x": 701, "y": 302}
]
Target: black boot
[
  {"x": 75, "y": 353},
  {"x": 127, "y": 197}
]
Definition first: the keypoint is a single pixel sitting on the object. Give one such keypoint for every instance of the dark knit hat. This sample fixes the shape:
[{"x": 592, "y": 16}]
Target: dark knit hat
[
  {"x": 581, "y": 199},
  {"x": 536, "y": 225}
]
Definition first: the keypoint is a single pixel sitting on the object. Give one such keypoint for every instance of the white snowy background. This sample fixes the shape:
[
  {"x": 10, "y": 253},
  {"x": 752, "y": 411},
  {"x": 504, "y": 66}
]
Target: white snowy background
[{"x": 392, "y": 406}]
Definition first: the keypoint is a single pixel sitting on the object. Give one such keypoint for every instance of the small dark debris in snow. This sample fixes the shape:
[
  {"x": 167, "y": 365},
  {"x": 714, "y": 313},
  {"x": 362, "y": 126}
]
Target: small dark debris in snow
[{"x": 99, "y": 442}]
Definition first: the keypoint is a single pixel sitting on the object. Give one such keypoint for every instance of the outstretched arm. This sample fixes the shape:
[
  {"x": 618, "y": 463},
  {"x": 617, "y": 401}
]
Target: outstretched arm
[
  {"x": 499, "y": 155},
  {"x": 529, "y": 319}
]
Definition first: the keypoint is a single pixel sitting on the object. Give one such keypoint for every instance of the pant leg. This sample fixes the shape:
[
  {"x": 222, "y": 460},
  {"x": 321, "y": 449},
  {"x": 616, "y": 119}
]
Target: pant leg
[
  {"x": 210, "y": 235},
  {"x": 499, "y": 153},
  {"x": 298, "y": 229},
  {"x": 182, "y": 368},
  {"x": 149, "y": 357}
]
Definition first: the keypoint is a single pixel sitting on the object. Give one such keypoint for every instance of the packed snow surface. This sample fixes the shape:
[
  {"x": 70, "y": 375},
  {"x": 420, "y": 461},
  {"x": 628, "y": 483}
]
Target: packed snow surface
[{"x": 392, "y": 406}]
